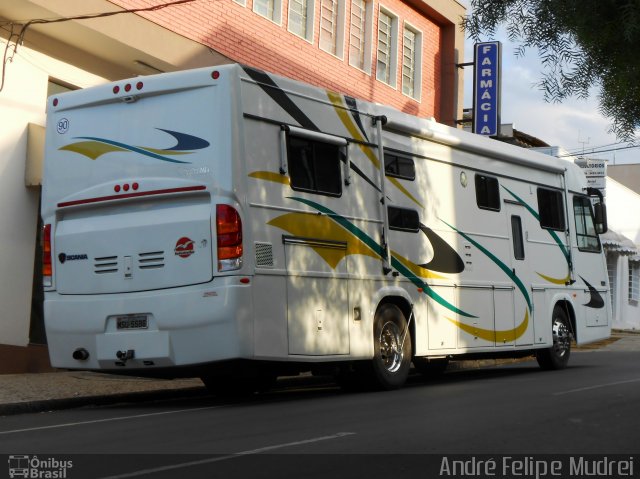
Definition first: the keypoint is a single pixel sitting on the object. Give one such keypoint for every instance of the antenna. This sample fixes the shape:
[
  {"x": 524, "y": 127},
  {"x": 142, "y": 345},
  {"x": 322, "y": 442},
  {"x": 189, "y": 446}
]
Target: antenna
[{"x": 583, "y": 142}]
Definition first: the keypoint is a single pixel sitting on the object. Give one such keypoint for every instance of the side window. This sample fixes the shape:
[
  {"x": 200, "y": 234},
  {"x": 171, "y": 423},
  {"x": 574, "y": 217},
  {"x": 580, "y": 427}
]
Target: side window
[
  {"x": 314, "y": 166},
  {"x": 518, "y": 240},
  {"x": 551, "y": 209},
  {"x": 403, "y": 219},
  {"x": 487, "y": 193},
  {"x": 399, "y": 166},
  {"x": 585, "y": 229}
]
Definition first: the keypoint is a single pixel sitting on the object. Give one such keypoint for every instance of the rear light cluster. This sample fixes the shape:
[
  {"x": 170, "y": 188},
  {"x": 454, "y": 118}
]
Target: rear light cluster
[
  {"x": 229, "y": 234},
  {"x": 128, "y": 87},
  {"x": 126, "y": 187},
  {"x": 47, "y": 270}
]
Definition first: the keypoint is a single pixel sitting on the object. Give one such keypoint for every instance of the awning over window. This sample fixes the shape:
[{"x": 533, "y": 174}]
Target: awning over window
[{"x": 620, "y": 244}]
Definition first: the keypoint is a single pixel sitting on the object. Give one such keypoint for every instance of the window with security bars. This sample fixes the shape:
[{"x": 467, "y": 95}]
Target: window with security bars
[
  {"x": 329, "y": 26},
  {"x": 409, "y": 50},
  {"x": 358, "y": 33},
  {"x": 612, "y": 271},
  {"x": 385, "y": 50},
  {"x": 266, "y": 8},
  {"x": 634, "y": 281},
  {"x": 300, "y": 20}
]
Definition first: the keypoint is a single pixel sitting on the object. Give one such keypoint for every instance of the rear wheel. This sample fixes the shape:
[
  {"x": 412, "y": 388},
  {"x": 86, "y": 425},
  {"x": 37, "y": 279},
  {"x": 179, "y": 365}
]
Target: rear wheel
[
  {"x": 392, "y": 348},
  {"x": 557, "y": 356}
]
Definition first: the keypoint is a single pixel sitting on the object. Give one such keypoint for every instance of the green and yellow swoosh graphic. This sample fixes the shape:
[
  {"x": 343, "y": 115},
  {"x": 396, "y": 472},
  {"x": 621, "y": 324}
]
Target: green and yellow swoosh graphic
[
  {"x": 556, "y": 238},
  {"x": 376, "y": 250},
  {"x": 506, "y": 269},
  {"x": 499, "y": 336},
  {"x": 351, "y": 125},
  {"x": 508, "y": 335}
]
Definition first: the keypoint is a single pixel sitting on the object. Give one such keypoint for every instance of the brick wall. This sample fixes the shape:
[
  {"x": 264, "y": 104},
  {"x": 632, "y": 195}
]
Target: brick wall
[{"x": 237, "y": 32}]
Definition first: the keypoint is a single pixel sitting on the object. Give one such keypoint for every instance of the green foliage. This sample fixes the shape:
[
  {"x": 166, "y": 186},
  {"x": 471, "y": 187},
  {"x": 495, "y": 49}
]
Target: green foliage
[{"x": 582, "y": 43}]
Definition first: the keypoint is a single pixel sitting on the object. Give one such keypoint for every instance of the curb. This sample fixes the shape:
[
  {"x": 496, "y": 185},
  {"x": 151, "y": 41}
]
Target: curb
[
  {"x": 194, "y": 392},
  {"x": 83, "y": 401},
  {"x": 151, "y": 395}
]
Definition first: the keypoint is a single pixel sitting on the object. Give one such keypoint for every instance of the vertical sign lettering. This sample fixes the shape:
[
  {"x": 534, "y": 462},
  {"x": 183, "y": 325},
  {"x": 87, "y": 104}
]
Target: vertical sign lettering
[{"x": 486, "y": 88}]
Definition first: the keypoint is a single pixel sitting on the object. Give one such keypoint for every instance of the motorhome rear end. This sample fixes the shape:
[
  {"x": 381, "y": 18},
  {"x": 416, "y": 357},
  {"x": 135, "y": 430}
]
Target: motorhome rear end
[
  {"x": 203, "y": 219},
  {"x": 137, "y": 174}
]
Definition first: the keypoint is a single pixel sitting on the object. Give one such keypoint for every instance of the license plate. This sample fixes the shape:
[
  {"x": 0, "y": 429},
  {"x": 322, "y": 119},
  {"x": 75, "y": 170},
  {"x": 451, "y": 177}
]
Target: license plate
[{"x": 138, "y": 321}]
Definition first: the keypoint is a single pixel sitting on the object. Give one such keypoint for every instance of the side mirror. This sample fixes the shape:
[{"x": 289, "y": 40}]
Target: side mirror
[{"x": 600, "y": 213}]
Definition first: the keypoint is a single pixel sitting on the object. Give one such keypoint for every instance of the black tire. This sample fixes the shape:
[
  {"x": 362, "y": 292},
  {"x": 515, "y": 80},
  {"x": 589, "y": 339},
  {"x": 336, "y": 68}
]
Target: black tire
[
  {"x": 557, "y": 356},
  {"x": 431, "y": 368},
  {"x": 392, "y": 348}
]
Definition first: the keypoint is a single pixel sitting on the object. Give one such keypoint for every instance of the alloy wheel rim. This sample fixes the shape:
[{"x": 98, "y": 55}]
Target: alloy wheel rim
[
  {"x": 390, "y": 346},
  {"x": 561, "y": 337}
]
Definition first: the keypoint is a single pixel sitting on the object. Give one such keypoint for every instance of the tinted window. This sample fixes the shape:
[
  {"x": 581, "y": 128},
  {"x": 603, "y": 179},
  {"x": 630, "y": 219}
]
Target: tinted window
[
  {"x": 399, "y": 166},
  {"x": 551, "y": 209},
  {"x": 585, "y": 229},
  {"x": 403, "y": 219},
  {"x": 487, "y": 193},
  {"x": 314, "y": 166},
  {"x": 518, "y": 241}
]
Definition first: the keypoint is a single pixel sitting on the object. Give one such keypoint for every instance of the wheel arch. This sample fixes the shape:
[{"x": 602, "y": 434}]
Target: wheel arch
[
  {"x": 567, "y": 307},
  {"x": 405, "y": 305}
]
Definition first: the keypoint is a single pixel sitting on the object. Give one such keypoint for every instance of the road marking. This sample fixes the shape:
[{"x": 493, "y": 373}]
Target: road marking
[
  {"x": 120, "y": 418},
  {"x": 144, "y": 472},
  {"x": 598, "y": 386}
]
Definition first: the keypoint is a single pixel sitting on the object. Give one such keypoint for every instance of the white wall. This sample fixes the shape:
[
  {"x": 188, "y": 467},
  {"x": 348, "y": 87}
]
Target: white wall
[
  {"x": 22, "y": 101},
  {"x": 623, "y": 207},
  {"x": 623, "y": 210}
]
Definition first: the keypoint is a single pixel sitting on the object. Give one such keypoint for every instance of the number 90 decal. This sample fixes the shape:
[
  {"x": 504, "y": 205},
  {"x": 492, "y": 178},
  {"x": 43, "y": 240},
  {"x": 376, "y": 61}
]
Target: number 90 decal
[{"x": 62, "y": 126}]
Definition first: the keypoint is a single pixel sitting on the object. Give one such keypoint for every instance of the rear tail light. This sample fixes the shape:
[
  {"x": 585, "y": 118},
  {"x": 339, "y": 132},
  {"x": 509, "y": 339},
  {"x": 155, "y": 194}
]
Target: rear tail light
[
  {"x": 47, "y": 271},
  {"x": 229, "y": 233}
]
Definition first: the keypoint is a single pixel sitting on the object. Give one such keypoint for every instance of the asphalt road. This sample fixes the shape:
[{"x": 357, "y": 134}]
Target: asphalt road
[{"x": 589, "y": 408}]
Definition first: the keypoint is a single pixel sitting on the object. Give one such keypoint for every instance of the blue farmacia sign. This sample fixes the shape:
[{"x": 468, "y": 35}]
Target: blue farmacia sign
[{"x": 486, "y": 88}]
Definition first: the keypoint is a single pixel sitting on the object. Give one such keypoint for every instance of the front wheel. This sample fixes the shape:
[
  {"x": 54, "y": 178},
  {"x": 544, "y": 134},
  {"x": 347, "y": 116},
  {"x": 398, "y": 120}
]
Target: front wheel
[
  {"x": 557, "y": 356},
  {"x": 392, "y": 348}
]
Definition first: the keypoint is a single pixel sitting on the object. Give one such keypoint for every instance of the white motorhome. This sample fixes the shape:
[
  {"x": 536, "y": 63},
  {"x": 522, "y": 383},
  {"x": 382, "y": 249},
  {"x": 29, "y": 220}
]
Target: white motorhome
[{"x": 235, "y": 225}]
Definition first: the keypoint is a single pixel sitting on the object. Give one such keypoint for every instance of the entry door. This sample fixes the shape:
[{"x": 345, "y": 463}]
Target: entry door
[
  {"x": 317, "y": 297},
  {"x": 521, "y": 321}
]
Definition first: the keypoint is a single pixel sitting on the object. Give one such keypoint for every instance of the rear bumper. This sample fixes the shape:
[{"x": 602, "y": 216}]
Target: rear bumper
[{"x": 186, "y": 326}]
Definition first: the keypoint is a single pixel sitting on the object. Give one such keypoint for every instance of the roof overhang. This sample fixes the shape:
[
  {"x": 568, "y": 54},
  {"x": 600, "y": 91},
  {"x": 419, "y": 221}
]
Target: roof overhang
[{"x": 114, "y": 47}]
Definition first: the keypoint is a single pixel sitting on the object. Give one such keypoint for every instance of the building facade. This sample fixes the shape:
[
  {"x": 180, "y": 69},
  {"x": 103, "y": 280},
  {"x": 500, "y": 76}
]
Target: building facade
[
  {"x": 622, "y": 247},
  {"x": 398, "y": 52}
]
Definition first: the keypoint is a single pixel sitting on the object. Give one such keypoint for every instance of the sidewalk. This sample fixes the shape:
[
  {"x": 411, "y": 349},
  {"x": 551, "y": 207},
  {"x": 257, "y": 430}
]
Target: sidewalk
[{"x": 21, "y": 393}]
